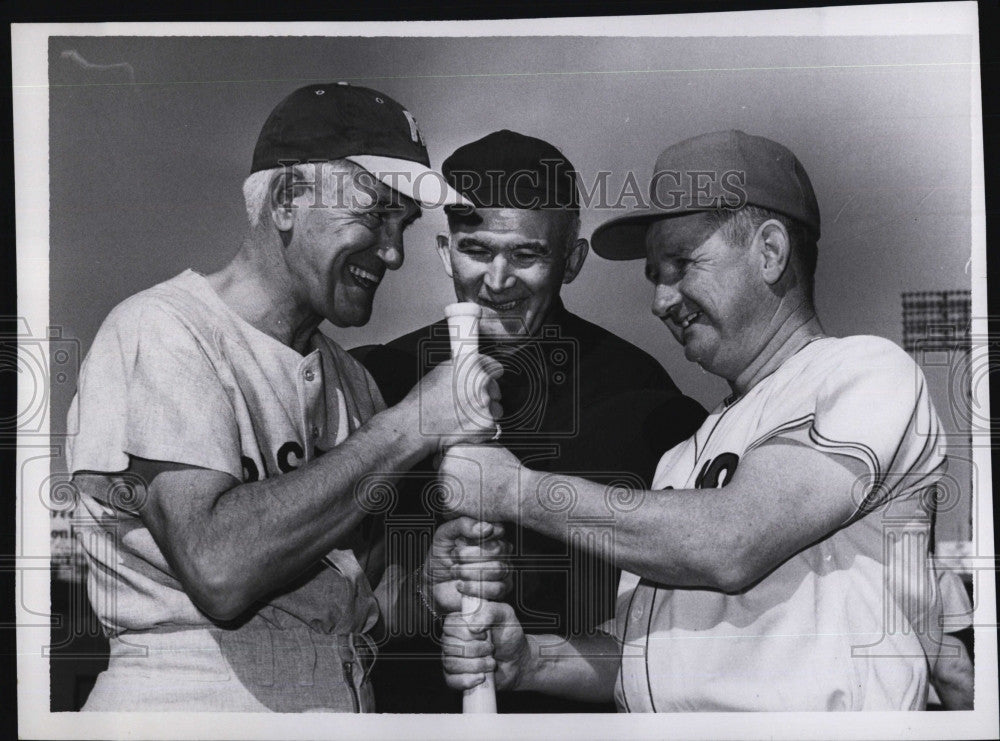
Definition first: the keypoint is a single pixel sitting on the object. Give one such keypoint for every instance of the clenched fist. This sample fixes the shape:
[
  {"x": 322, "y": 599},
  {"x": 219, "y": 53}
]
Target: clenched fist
[
  {"x": 458, "y": 402},
  {"x": 486, "y": 481},
  {"x": 488, "y": 640},
  {"x": 467, "y": 557}
]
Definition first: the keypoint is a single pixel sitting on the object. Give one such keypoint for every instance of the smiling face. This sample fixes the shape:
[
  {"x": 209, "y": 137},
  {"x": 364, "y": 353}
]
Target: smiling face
[
  {"x": 512, "y": 262},
  {"x": 337, "y": 253},
  {"x": 708, "y": 292}
]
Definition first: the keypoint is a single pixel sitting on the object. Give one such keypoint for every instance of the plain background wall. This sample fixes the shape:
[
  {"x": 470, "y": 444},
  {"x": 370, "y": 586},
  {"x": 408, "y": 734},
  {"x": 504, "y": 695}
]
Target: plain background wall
[{"x": 146, "y": 162}]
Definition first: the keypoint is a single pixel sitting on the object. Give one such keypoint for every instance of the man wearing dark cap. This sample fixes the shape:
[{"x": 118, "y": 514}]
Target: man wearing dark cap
[
  {"x": 780, "y": 560},
  {"x": 225, "y": 444},
  {"x": 576, "y": 398}
]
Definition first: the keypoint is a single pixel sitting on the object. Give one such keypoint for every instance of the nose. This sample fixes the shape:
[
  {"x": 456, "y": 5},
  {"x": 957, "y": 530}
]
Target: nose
[
  {"x": 390, "y": 249},
  {"x": 665, "y": 299},
  {"x": 498, "y": 276}
]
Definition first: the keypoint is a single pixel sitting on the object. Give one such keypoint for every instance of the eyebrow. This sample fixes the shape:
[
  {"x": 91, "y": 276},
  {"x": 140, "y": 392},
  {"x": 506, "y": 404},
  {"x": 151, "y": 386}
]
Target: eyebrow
[
  {"x": 388, "y": 201},
  {"x": 392, "y": 203},
  {"x": 539, "y": 247},
  {"x": 681, "y": 251}
]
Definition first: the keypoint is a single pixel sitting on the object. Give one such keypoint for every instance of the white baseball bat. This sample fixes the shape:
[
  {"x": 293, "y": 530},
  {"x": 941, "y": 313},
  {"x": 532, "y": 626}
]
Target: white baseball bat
[{"x": 463, "y": 326}]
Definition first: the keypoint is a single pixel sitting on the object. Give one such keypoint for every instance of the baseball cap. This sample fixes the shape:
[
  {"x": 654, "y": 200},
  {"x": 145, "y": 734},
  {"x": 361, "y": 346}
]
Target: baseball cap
[
  {"x": 319, "y": 123},
  {"x": 724, "y": 169},
  {"x": 506, "y": 169}
]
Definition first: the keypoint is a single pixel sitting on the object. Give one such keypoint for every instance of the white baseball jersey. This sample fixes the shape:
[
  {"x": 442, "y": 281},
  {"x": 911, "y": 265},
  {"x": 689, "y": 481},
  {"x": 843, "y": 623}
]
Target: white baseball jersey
[
  {"x": 843, "y": 624},
  {"x": 175, "y": 375}
]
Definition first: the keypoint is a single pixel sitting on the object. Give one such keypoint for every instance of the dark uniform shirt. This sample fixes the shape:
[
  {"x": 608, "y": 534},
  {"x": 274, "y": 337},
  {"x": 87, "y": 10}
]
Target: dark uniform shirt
[{"x": 577, "y": 400}]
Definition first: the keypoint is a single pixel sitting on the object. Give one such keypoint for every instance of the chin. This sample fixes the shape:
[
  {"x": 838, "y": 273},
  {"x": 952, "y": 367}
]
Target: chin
[
  {"x": 492, "y": 326},
  {"x": 492, "y": 329},
  {"x": 697, "y": 355},
  {"x": 354, "y": 318}
]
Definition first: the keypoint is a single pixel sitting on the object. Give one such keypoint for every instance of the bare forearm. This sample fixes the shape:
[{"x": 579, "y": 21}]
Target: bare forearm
[
  {"x": 258, "y": 536},
  {"x": 782, "y": 498},
  {"x": 672, "y": 537},
  {"x": 583, "y": 668}
]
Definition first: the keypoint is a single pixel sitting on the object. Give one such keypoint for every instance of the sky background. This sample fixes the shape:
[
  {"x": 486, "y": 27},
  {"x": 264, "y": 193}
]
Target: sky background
[{"x": 147, "y": 161}]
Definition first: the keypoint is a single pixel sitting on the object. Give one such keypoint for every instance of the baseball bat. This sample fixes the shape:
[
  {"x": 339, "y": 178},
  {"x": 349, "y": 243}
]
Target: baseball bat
[{"x": 463, "y": 326}]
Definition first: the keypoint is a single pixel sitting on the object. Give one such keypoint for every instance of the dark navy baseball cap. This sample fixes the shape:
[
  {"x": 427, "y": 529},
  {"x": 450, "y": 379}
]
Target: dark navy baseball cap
[
  {"x": 506, "y": 169},
  {"x": 320, "y": 123},
  {"x": 722, "y": 170}
]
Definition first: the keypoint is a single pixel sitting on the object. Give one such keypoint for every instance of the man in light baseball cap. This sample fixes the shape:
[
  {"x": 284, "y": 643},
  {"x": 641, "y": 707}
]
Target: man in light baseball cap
[
  {"x": 229, "y": 452},
  {"x": 760, "y": 571}
]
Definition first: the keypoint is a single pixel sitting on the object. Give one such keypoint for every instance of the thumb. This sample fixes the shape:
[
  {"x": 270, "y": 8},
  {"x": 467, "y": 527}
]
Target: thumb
[{"x": 476, "y": 529}]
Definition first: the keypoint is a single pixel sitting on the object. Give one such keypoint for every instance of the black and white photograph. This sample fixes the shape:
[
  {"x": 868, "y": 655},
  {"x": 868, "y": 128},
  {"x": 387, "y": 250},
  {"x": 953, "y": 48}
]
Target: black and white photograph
[{"x": 530, "y": 377}]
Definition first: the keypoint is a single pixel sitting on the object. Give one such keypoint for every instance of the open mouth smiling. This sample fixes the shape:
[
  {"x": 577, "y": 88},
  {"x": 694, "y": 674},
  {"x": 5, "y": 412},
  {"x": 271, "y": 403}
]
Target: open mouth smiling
[
  {"x": 685, "y": 322},
  {"x": 498, "y": 307},
  {"x": 364, "y": 278}
]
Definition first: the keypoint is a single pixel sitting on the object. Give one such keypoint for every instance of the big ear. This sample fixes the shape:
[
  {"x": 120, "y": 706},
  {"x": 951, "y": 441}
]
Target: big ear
[
  {"x": 444, "y": 251},
  {"x": 575, "y": 258},
  {"x": 775, "y": 250},
  {"x": 281, "y": 198}
]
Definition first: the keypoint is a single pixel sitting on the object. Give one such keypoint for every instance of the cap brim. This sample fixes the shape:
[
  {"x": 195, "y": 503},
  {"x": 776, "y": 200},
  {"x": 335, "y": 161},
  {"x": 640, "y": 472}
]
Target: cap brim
[
  {"x": 412, "y": 179},
  {"x": 624, "y": 238}
]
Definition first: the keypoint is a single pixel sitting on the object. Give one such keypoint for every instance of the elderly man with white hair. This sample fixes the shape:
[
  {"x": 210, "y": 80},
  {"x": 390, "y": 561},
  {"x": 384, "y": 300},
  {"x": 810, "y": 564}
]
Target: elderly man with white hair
[{"x": 225, "y": 444}]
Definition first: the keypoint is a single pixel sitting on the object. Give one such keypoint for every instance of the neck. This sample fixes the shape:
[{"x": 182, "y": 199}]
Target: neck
[
  {"x": 256, "y": 287},
  {"x": 798, "y": 328}
]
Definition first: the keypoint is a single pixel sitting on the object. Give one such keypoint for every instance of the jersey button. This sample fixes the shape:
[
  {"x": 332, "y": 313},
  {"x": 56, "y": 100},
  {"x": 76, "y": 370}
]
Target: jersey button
[
  {"x": 315, "y": 431},
  {"x": 637, "y": 613},
  {"x": 309, "y": 375}
]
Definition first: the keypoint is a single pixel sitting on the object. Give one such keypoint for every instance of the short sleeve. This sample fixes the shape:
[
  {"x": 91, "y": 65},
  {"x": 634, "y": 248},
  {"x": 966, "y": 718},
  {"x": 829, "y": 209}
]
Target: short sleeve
[
  {"x": 872, "y": 404},
  {"x": 956, "y": 606},
  {"x": 377, "y": 401},
  {"x": 149, "y": 389}
]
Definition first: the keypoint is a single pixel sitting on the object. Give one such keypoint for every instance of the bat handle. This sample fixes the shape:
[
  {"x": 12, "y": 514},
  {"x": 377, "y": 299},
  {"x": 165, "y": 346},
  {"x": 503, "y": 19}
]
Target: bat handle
[
  {"x": 463, "y": 321},
  {"x": 483, "y": 697}
]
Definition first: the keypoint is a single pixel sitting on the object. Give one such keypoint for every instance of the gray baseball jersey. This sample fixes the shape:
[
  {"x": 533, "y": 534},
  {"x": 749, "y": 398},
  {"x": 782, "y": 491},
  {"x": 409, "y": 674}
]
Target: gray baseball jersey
[
  {"x": 175, "y": 375},
  {"x": 846, "y": 623}
]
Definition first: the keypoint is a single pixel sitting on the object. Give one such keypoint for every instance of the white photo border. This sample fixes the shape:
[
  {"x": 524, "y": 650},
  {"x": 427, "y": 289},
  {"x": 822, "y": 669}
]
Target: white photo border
[{"x": 30, "y": 100}]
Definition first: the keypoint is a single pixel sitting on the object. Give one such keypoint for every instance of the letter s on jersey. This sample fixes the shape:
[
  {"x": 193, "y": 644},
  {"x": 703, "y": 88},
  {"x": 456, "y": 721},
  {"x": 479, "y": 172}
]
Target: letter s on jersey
[{"x": 290, "y": 456}]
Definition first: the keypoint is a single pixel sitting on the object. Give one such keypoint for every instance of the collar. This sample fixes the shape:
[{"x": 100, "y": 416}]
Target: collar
[{"x": 736, "y": 395}]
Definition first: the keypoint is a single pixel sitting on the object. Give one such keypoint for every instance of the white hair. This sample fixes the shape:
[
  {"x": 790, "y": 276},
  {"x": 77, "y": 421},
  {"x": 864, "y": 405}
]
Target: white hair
[{"x": 256, "y": 188}]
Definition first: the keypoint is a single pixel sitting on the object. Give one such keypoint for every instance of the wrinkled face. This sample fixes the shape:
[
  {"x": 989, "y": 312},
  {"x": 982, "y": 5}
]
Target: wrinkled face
[
  {"x": 708, "y": 292},
  {"x": 337, "y": 253},
  {"x": 512, "y": 263}
]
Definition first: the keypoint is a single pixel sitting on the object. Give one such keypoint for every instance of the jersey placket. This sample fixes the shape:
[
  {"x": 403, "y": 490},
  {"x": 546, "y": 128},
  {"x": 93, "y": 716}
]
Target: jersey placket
[
  {"x": 312, "y": 407},
  {"x": 634, "y": 670}
]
